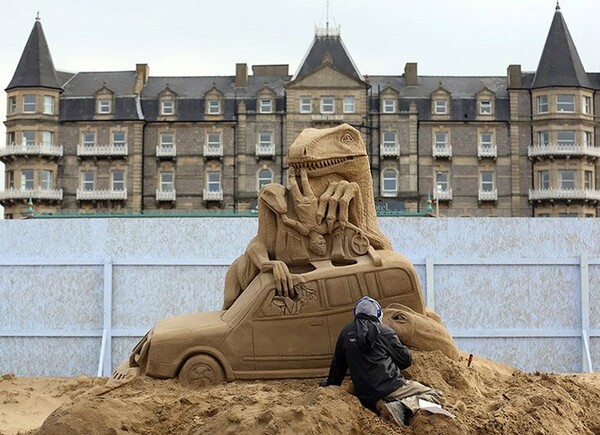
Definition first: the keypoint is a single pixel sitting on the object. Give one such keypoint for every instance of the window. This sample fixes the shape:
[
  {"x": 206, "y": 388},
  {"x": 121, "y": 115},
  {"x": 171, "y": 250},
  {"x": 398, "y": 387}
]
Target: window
[
  {"x": 440, "y": 107},
  {"x": 213, "y": 140},
  {"x": 487, "y": 181},
  {"x": 88, "y": 138},
  {"x": 441, "y": 140},
  {"x": 47, "y": 138},
  {"x": 167, "y": 107},
  {"x": 542, "y": 104},
  {"x": 104, "y": 106},
  {"x": 28, "y": 103},
  {"x": 543, "y": 138},
  {"x": 118, "y": 139},
  {"x": 327, "y": 105},
  {"x": 305, "y": 105},
  {"x": 213, "y": 179},
  {"x": 29, "y": 138},
  {"x": 265, "y": 140},
  {"x": 588, "y": 180},
  {"x": 349, "y": 105},
  {"x": 11, "y": 138},
  {"x": 565, "y": 103},
  {"x": 214, "y": 106},
  {"x": 27, "y": 179},
  {"x": 48, "y": 105},
  {"x": 587, "y": 105},
  {"x": 544, "y": 180},
  {"x": 442, "y": 182},
  {"x": 46, "y": 179},
  {"x": 587, "y": 138},
  {"x": 389, "y": 139},
  {"x": 266, "y": 105},
  {"x": 167, "y": 140},
  {"x": 10, "y": 179},
  {"x": 166, "y": 181},
  {"x": 88, "y": 180},
  {"x": 389, "y": 182},
  {"x": 485, "y": 107},
  {"x": 12, "y": 105},
  {"x": 486, "y": 140},
  {"x": 264, "y": 176},
  {"x": 566, "y": 179},
  {"x": 389, "y": 105},
  {"x": 118, "y": 180},
  {"x": 565, "y": 138}
]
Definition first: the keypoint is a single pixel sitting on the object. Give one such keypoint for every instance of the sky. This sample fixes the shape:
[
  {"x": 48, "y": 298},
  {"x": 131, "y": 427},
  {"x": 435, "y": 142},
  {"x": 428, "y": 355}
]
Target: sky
[{"x": 208, "y": 37}]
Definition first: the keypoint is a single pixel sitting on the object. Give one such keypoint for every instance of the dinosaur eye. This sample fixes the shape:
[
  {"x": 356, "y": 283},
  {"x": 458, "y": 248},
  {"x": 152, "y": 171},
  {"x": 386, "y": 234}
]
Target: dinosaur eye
[{"x": 347, "y": 138}]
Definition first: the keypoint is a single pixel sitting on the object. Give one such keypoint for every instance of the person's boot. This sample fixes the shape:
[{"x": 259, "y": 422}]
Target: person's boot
[{"x": 394, "y": 411}]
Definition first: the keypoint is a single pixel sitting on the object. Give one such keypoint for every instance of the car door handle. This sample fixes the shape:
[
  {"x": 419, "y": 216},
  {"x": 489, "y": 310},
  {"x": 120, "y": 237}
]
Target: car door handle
[{"x": 316, "y": 323}]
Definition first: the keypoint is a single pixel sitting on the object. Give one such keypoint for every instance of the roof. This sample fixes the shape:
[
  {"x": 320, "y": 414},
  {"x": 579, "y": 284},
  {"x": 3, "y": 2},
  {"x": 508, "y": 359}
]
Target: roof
[
  {"x": 35, "y": 68},
  {"x": 327, "y": 48},
  {"x": 458, "y": 87},
  {"x": 86, "y": 84},
  {"x": 560, "y": 64}
]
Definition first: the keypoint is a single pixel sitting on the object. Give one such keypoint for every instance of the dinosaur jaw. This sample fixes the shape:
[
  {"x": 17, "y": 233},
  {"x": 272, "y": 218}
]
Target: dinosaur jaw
[{"x": 318, "y": 168}]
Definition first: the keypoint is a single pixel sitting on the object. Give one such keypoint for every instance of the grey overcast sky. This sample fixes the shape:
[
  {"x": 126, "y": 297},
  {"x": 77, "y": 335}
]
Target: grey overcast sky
[{"x": 207, "y": 37}]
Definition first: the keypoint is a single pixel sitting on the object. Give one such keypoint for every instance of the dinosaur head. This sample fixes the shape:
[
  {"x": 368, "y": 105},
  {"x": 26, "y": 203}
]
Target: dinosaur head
[{"x": 327, "y": 151}]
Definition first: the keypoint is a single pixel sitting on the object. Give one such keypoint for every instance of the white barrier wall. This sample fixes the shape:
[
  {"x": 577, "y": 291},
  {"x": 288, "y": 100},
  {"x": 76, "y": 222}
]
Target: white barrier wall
[{"x": 76, "y": 294}]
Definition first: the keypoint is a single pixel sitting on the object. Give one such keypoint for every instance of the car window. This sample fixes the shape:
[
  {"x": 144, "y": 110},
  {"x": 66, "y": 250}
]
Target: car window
[
  {"x": 306, "y": 301},
  {"x": 342, "y": 290},
  {"x": 391, "y": 282}
]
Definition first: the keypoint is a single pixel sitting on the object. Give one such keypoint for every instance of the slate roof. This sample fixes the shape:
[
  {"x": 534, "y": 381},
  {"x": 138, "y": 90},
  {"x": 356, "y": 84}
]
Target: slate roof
[
  {"x": 86, "y": 84},
  {"x": 327, "y": 47},
  {"x": 35, "y": 68},
  {"x": 459, "y": 87},
  {"x": 560, "y": 64}
]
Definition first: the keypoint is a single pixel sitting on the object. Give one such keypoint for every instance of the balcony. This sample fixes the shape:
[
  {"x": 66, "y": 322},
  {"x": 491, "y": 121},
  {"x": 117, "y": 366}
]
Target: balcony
[
  {"x": 165, "y": 195},
  {"x": 265, "y": 149},
  {"x": 564, "y": 194},
  {"x": 32, "y": 149},
  {"x": 213, "y": 195},
  {"x": 487, "y": 151},
  {"x": 442, "y": 151},
  {"x": 101, "y": 195},
  {"x": 102, "y": 150},
  {"x": 488, "y": 195},
  {"x": 443, "y": 195},
  {"x": 390, "y": 149},
  {"x": 563, "y": 150},
  {"x": 213, "y": 150},
  {"x": 24, "y": 194},
  {"x": 166, "y": 151}
]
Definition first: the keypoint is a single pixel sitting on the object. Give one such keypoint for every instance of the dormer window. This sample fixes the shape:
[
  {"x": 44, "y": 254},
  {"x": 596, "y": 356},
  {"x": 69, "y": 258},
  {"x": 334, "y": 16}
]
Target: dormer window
[
  {"x": 266, "y": 105},
  {"x": 485, "y": 107},
  {"x": 389, "y": 105},
  {"x": 440, "y": 107},
  {"x": 104, "y": 106},
  {"x": 214, "y": 106},
  {"x": 565, "y": 103},
  {"x": 28, "y": 103},
  {"x": 167, "y": 107}
]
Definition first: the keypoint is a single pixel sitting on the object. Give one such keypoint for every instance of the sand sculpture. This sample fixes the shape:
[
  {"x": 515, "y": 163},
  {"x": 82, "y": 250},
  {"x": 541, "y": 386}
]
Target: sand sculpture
[{"x": 318, "y": 249}]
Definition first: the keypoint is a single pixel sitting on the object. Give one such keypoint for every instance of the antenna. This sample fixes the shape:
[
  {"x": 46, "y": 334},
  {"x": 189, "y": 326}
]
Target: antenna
[{"x": 327, "y": 19}]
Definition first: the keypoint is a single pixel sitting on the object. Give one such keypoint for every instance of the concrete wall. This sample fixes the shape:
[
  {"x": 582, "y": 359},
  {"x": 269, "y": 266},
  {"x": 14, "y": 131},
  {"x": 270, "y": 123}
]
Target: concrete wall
[{"x": 516, "y": 290}]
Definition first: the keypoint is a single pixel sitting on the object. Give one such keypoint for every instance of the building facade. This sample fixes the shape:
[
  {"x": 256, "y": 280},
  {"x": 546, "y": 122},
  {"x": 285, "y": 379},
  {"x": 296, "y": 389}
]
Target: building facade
[{"x": 523, "y": 144}]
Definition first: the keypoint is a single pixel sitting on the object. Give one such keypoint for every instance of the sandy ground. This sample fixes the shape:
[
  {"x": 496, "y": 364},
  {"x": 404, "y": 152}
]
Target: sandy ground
[{"x": 487, "y": 398}]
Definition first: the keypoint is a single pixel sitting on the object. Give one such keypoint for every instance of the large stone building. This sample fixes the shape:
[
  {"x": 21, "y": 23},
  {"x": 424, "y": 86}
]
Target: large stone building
[{"x": 523, "y": 144}]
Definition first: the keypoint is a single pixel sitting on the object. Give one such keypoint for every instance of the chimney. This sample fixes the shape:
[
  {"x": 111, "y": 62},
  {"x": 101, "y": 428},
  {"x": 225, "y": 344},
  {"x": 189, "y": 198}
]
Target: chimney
[
  {"x": 410, "y": 74},
  {"x": 142, "y": 71},
  {"x": 241, "y": 75},
  {"x": 513, "y": 74}
]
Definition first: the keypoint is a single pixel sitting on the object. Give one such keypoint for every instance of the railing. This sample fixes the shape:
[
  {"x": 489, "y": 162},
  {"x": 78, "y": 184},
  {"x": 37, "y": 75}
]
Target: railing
[
  {"x": 327, "y": 117},
  {"x": 566, "y": 194},
  {"x": 102, "y": 150},
  {"x": 213, "y": 195},
  {"x": 563, "y": 150},
  {"x": 442, "y": 150},
  {"x": 166, "y": 150},
  {"x": 213, "y": 150},
  {"x": 101, "y": 194},
  {"x": 487, "y": 151},
  {"x": 265, "y": 149},
  {"x": 165, "y": 195},
  {"x": 42, "y": 149},
  {"x": 390, "y": 149},
  {"x": 488, "y": 195},
  {"x": 443, "y": 195},
  {"x": 50, "y": 194}
]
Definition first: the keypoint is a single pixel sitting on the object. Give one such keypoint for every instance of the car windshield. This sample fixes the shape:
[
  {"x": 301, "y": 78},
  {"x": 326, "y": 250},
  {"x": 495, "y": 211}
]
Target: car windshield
[{"x": 243, "y": 303}]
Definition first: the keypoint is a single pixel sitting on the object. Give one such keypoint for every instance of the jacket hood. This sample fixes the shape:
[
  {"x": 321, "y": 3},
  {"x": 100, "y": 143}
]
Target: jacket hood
[{"x": 367, "y": 330}]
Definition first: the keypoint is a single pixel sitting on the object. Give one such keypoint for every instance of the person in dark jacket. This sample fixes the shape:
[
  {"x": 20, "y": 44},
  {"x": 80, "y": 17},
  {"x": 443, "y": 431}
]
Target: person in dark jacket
[{"x": 374, "y": 355}]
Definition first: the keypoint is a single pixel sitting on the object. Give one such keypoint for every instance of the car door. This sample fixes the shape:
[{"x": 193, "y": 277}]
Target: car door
[{"x": 341, "y": 292}]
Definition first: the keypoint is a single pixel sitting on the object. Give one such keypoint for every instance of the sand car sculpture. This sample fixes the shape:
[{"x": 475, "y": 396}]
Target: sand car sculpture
[{"x": 317, "y": 250}]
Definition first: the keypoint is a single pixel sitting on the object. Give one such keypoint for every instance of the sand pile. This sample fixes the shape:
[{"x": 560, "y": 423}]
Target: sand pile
[{"x": 487, "y": 398}]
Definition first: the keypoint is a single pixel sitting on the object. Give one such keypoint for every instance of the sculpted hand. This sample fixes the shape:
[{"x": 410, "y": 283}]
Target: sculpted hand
[
  {"x": 336, "y": 201},
  {"x": 305, "y": 201},
  {"x": 283, "y": 278}
]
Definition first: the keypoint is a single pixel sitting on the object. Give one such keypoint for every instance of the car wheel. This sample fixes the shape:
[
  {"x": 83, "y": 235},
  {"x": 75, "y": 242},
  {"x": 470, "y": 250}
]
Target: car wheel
[{"x": 201, "y": 371}]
